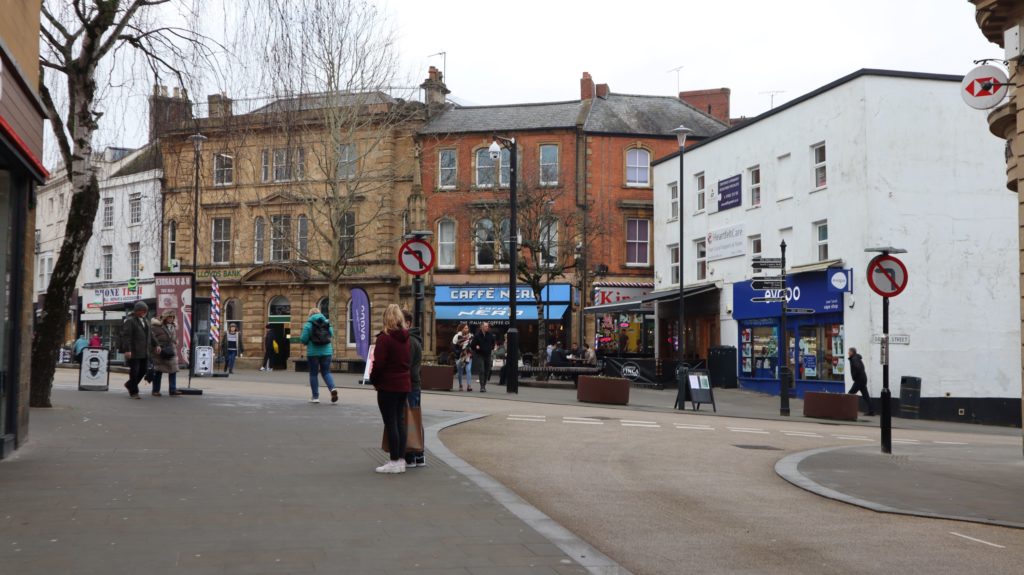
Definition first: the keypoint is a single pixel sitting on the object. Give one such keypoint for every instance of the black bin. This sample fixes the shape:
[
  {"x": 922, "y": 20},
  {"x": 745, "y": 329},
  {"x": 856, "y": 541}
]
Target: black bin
[
  {"x": 910, "y": 396},
  {"x": 722, "y": 366}
]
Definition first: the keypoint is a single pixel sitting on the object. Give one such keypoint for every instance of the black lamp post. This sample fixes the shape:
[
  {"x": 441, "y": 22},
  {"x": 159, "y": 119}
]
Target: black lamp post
[
  {"x": 512, "y": 348},
  {"x": 197, "y": 144},
  {"x": 681, "y": 133}
]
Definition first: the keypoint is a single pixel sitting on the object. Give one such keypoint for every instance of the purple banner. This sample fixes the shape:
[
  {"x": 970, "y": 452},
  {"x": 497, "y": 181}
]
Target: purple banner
[
  {"x": 730, "y": 193},
  {"x": 361, "y": 321}
]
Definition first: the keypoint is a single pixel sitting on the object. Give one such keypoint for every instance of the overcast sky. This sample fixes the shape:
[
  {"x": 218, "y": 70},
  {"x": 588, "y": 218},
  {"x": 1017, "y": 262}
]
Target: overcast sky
[{"x": 536, "y": 50}]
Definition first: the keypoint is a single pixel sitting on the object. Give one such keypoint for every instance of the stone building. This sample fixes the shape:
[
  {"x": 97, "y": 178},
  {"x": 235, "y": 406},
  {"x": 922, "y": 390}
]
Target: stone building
[{"x": 301, "y": 199}]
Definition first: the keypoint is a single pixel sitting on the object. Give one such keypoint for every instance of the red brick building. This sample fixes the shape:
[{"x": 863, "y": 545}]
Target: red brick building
[{"x": 585, "y": 202}]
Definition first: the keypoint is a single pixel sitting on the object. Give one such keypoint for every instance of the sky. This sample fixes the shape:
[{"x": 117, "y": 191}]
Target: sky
[
  {"x": 537, "y": 50},
  {"x": 765, "y": 51}
]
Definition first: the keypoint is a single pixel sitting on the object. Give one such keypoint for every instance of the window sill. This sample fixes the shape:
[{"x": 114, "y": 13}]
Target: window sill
[
  {"x": 699, "y": 212},
  {"x": 757, "y": 207},
  {"x": 780, "y": 200},
  {"x": 224, "y": 185},
  {"x": 638, "y": 186},
  {"x": 825, "y": 187},
  {"x": 638, "y": 266}
]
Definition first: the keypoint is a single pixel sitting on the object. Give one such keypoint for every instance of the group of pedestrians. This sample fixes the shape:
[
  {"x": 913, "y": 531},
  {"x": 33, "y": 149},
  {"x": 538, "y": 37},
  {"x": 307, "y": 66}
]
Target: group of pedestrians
[
  {"x": 150, "y": 341},
  {"x": 474, "y": 352}
]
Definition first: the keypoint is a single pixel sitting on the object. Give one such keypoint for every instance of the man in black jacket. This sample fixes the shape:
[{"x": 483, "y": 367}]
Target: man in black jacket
[
  {"x": 860, "y": 377},
  {"x": 482, "y": 346},
  {"x": 136, "y": 343}
]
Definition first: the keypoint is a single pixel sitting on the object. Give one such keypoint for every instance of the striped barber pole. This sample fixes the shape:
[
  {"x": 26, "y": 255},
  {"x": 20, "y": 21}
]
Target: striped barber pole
[{"x": 214, "y": 310}]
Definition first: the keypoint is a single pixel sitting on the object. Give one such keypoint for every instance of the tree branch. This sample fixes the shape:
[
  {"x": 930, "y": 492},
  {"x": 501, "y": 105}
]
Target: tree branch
[{"x": 56, "y": 123}]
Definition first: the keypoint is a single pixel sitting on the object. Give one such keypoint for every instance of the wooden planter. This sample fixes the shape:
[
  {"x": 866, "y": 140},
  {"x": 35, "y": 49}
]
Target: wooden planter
[
  {"x": 437, "y": 377},
  {"x": 593, "y": 389},
  {"x": 830, "y": 405}
]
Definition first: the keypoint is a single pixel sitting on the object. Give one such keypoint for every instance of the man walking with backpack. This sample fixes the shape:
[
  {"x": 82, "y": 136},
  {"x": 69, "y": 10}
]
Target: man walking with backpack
[{"x": 316, "y": 336}]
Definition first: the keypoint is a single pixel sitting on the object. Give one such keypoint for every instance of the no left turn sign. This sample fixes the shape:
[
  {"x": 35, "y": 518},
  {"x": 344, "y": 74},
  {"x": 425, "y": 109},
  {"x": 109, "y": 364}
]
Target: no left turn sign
[
  {"x": 887, "y": 276},
  {"x": 416, "y": 257}
]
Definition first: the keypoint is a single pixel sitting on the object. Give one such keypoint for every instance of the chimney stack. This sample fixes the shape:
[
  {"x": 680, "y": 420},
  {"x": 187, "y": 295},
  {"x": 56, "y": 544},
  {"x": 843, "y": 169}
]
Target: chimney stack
[
  {"x": 714, "y": 102},
  {"x": 167, "y": 113},
  {"x": 586, "y": 87},
  {"x": 602, "y": 90},
  {"x": 435, "y": 88},
  {"x": 219, "y": 106}
]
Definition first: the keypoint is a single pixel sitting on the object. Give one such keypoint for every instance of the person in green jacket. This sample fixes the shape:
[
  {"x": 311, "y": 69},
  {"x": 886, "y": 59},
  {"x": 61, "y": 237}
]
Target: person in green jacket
[{"x": 317, "y": 334}]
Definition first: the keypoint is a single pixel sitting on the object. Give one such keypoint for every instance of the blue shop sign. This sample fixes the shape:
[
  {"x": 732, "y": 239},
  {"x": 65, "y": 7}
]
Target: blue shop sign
[
  {"x": 475, "y": 294},
  {"x": 807, "y": 290}
]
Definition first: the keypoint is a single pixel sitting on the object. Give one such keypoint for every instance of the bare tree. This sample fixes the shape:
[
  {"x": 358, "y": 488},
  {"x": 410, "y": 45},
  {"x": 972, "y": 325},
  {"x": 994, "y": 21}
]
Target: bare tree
[
  {"x": 79, "y": 38},
  {"x": 333, "y": 69}
]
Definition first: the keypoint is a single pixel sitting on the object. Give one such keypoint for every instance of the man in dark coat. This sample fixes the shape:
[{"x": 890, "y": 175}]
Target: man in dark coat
[
  {"x": 136, "y": 344},
  {"x": 860, "y": 377},
  {"x": 482, "y": 345}
]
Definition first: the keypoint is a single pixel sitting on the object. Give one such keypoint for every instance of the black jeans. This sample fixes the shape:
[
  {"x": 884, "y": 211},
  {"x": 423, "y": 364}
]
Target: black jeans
[
  {"x": 136, "y": 371},
  {"x": 392, "y": 411},
  {"x": 863, "y": 389},
  {"x": 486, "y": 363}
]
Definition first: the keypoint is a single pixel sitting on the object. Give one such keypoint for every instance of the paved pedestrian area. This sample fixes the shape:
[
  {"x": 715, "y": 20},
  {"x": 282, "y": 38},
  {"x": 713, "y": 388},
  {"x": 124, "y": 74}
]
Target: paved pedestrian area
[{"x": 242, "y": 484}]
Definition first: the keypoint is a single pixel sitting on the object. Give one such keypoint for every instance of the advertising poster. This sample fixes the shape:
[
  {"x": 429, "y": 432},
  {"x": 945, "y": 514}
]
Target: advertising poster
[
  {"x": 174, "y": 292},
  {"x": 369, "y": 365},
  {"x": 92, "y": 374}
]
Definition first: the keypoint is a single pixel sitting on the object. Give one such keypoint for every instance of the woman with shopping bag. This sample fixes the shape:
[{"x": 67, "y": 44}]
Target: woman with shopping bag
[{"x": 391, "y": 378}]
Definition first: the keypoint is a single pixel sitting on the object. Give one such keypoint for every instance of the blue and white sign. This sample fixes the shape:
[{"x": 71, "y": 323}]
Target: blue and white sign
[
  {"x": 807, "y": 290},
  {"x": 499, "y": 294},
  {"x": 730, "y": 192},
  {"x": 840, "y": 280}
]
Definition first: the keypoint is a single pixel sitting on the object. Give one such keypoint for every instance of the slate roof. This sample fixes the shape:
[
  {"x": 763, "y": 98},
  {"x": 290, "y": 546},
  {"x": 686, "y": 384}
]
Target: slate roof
[
  {"x": 627, "y": 114},
  {"x": 320, "y": 101},
  {"x": 613, "y": 114},
  {"x": 142, "y": 160},
  {"x": 548, "y": 115}
]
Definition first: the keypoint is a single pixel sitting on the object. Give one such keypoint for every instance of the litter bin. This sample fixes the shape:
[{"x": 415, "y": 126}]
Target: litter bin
[
  {"x": 910, "y": 396},
  {"x": 722, "y": 366}
]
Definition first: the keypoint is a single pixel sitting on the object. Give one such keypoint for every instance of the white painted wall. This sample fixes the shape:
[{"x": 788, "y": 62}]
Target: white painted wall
[{"x": 909, "y": 165}]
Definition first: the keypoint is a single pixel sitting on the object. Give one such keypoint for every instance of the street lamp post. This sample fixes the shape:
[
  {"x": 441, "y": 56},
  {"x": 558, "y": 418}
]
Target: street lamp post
[
  {"x": 197, "y": 145},
  {"x": 512, "y": 347},
  {"x": 681, "y": 133}
]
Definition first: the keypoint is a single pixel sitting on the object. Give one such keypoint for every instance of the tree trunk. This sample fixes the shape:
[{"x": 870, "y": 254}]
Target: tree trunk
[{"x": 49, "y": 334}]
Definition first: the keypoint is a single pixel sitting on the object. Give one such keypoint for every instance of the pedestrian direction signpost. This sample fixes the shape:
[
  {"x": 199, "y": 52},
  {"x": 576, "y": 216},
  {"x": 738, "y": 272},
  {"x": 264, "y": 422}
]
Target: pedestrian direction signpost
[
  {"x": 776, "y": 284},
  {"x": 800, "y": 310}
]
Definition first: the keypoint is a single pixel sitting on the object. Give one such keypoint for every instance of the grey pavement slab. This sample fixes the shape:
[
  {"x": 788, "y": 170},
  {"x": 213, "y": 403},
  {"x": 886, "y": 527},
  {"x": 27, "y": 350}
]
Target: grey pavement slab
[
  {"x": 241, "y": 484},
  {"x": 979, "y": 483}
]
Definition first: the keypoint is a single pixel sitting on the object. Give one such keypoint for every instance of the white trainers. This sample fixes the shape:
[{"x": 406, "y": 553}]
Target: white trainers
[
  {"x": 263, "y": 369},
  {"x": 392, "y": 467},
  {"x": 315, "y": 400}
]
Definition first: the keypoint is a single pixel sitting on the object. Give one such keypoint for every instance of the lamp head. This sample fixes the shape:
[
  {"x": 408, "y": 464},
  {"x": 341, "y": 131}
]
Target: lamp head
[
  {"x": 681, "y": 133},
  {"x": 495, "y": 150}
]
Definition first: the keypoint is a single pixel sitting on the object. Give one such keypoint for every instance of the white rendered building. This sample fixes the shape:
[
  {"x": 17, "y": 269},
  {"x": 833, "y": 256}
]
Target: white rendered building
[
  {"x": 877, "y": 158},
  {"x": 124, "y": 250}
]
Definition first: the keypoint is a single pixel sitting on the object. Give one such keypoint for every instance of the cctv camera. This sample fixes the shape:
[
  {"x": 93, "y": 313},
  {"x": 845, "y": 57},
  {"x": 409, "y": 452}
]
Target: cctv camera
[{"x": 495, "y": 150}]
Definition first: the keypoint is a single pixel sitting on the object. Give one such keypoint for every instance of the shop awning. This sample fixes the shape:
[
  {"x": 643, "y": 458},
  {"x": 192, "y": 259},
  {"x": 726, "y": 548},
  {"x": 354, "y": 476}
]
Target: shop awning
[
  {"x": 486, "y": 312},
  {"x": 815, "y": 267},
  {"x": 646, "y": 303}
]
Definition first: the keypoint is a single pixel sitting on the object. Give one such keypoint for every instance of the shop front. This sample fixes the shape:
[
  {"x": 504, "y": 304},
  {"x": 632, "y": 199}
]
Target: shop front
[
  {"x": 455, "y": 305},
  {"x": 622, "y": 329},
  {"x": 814, "y": 337}
]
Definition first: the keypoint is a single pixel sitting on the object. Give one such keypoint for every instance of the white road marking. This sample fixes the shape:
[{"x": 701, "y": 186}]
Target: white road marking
[
  {"x": 906, "y": 441},
  {"x": 694, "y": 427},
  {"x": 567, "y": 418},
  {"x": 639, "y": 425},
  {"x": 583, "y": 422},
  {"x": 800, "y": 434},
  {"x": 524, "y": 415},
  {"x": 854, "y": 437},
  {"x": 758, "y": 431},
  {"x": 951, "y": 443},
  {"x": 532, "y": 419},
  {"x": 976, "y": 540},
  {"x": 638, "y": 421}
]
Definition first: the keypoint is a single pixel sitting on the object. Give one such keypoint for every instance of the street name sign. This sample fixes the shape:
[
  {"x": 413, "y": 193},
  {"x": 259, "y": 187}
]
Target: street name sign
[
  {"x": 773, "y": 283},
  {"x": 767, "y": 263},
  {"x": 800, "y": 310}
]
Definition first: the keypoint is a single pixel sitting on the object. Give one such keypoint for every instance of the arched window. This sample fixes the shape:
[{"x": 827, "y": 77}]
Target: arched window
[
  {"x": 446, "y": 244},
  {"x": 279, "y": 310},
  {"x": 638, "y": 167},
  {"x": 484, "y": 243},
  {"x": 324, "y": 305},
  {"x": 258, "y": 234},
  {"x": 172, "y": 241},
  {"x": 233, "y": 314}
]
